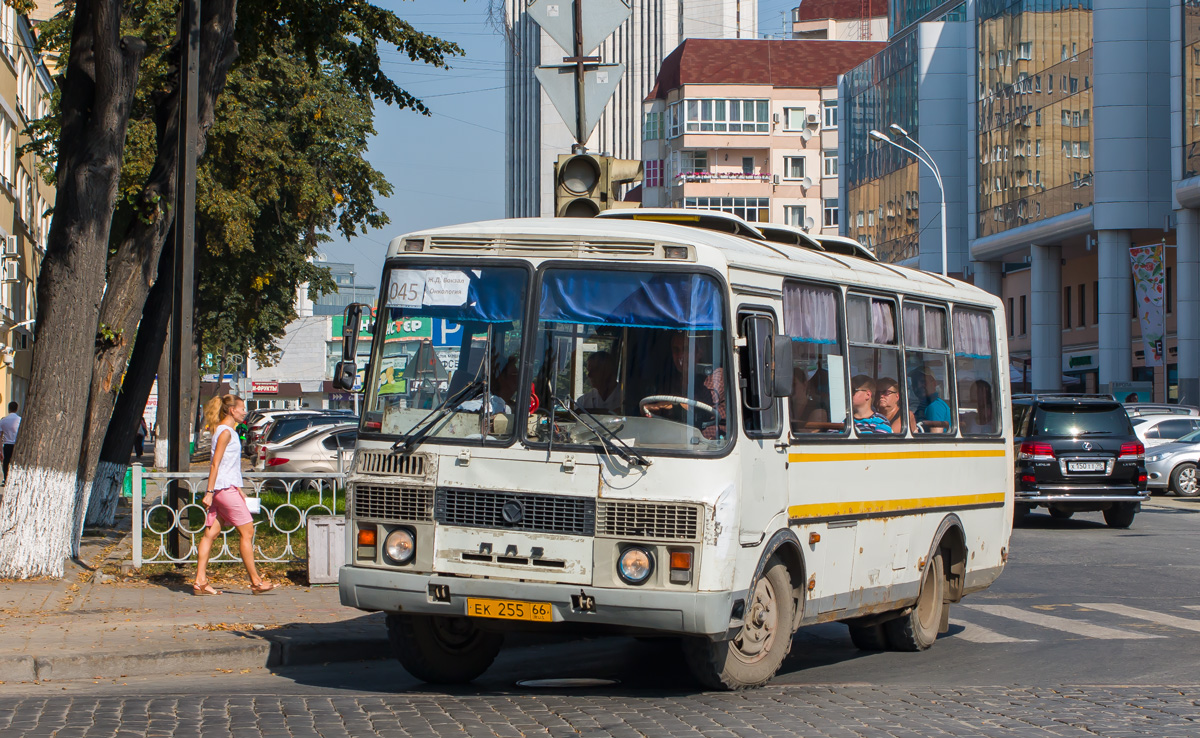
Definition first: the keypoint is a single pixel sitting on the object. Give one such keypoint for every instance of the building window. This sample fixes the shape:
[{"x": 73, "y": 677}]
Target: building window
[
  {"x": 654, "y": 169},
  {"x": 829, "y": 162},
  {"x": 1024, "y": 315},
  {"x": 652, "y": 129},
  {"x": 1082, "y": 305},
  {"x": 793, "y": 215},
  {"x": 795, "y": 119},
  {"x": 747, "y": 165},
  {"x": 1095, "y": 303},
  {"x": 793, "y": 167},
  {"x": 753, "y": 209},
  {"x": 674, "y": 120},
  {"x": 830, "y": 212},
  {"x": 1067, "y": 306},
  {"x": 1010, "y": 317},
  {"x": 727, "y": 116},
  {"x": 830, "y": 109},
  {"x": 694, "y": 162}
]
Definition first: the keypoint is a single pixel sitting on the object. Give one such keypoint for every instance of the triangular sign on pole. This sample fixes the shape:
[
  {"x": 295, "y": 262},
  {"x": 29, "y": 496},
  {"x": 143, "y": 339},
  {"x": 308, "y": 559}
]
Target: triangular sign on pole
[
  {"x": 600, "y": 18},
  {"x": 600, "y": 82}
]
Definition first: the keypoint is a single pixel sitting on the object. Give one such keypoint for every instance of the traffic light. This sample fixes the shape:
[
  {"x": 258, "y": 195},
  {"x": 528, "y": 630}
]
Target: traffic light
[{"x": 585, "y": 184}]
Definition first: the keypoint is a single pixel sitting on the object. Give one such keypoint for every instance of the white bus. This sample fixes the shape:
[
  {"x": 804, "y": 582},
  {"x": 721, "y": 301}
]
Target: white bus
[{"x": 661, "y": 428}]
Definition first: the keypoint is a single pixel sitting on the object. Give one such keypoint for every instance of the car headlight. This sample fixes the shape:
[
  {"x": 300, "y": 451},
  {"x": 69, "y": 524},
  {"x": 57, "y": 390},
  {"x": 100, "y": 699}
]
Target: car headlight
[
  {"x": 635, "y": 565},
  {"x": 1156, "y": 457},
  {"x": 400, "y": 545}
]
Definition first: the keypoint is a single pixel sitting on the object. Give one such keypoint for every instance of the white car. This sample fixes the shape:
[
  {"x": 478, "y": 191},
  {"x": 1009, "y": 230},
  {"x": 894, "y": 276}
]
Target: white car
[{"x": 1156, "y": 429}]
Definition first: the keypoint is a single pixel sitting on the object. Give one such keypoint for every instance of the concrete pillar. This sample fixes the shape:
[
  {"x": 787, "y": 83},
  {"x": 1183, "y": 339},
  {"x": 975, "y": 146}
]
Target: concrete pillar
[
  {"x": 1046, "y": 317},
  {"x": 1116, "y": 306},
  {"x": 1187, "y": 314},
  {"x": 988, "y": 276}
]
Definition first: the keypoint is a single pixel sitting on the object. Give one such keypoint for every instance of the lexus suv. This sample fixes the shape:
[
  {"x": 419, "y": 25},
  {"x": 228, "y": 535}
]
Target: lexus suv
[{"x": 1078, "y": 453}]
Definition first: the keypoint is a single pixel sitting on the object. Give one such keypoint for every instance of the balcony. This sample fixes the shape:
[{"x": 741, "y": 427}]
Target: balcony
[{"x": 721, "y": 177}]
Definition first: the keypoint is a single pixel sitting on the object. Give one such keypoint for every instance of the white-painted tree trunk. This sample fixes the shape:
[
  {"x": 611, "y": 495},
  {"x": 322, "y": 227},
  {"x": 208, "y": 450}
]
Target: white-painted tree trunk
[
  {"x": 35, "y": 522},
  {"x": 106, "y": 490},
  {"x": 162, "y": 449}
]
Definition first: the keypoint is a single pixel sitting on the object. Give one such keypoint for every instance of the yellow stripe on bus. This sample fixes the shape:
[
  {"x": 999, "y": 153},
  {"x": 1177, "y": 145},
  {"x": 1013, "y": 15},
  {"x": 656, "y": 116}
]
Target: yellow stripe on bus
[
  {"x": 882, "y": 455},
  {"x": 875, "y": 507}
]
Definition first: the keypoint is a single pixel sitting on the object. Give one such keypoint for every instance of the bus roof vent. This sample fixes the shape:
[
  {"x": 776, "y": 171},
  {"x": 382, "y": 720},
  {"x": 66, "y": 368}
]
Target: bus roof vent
[{"x": 546, "y": 247}]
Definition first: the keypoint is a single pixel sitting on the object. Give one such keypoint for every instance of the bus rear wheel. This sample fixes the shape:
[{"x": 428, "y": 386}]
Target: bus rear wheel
[
  {"x": 917, "y": 630},
  {"x": 752, "y": 657},
  {"x": 442, "y": 650}
]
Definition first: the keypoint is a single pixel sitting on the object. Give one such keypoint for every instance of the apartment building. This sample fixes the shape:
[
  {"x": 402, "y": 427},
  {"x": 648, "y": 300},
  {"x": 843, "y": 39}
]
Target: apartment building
[
  {"x": 841, "y": 20},
  {"x": 25, "y": 199},
  {"x": 536, "y": 132},
  {"x": 749, "y": 127}
]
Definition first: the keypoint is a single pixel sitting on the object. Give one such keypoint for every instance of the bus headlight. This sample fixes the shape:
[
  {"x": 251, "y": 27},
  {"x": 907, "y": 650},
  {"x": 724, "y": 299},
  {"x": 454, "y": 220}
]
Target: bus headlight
[
  {"x": 400, "y": 545},
  {"x": 635, "y": 565}
]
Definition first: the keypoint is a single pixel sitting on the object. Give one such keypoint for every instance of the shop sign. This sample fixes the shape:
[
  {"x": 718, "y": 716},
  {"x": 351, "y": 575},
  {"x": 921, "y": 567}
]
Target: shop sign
[
  {"x": 1079, "y": 362},
  {"x": 265, "y": 388},
  {"x": 341, "y": 396}
]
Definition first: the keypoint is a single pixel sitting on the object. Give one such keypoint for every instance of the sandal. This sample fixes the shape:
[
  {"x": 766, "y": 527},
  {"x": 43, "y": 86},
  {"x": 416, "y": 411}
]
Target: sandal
[
  {"x": 204, "y": 590},
  {"x": 261, "y": 588}
]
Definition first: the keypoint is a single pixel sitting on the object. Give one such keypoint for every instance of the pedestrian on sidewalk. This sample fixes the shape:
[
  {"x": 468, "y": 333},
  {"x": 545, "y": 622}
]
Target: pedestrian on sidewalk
[
  {"x": 224, "y": 498},
  {"x": 139, "y": 439},
  {"x": 9, "y": 425}
]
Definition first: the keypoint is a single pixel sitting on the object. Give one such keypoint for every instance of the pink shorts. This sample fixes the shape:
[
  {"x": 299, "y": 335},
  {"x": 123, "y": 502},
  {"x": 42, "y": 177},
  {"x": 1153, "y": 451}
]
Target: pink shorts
[{"x": 229, "y": 506}]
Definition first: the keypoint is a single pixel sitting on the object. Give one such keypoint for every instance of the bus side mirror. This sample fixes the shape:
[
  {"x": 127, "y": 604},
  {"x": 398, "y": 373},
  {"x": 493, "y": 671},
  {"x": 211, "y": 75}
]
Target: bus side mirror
[
  {"x": 344, "y": 375},
  {"x": 351, "y": 325},
  {"x": 781, "y": 364}
]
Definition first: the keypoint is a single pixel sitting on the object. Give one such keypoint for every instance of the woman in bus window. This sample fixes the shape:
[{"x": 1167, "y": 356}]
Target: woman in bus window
[{"x": 887, "y": 402}]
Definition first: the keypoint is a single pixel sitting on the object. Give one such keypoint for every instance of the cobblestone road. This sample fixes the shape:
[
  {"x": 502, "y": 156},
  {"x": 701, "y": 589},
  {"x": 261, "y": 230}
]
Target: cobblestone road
[{"x": 774, "y": 712}]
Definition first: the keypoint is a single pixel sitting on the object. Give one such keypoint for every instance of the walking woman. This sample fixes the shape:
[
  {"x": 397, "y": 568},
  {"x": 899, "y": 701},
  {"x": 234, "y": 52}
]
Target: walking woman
[{"x": 224, "y": 500}]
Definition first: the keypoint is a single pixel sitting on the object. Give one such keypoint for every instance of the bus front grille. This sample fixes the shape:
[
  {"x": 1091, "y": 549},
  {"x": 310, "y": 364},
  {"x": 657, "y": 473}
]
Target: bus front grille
[
  {"x": 648, "y": 520},
  {"x": 393, "y": 503},
  {"x": 474, "y": 508},
  {"x": 386, "y": 462}
]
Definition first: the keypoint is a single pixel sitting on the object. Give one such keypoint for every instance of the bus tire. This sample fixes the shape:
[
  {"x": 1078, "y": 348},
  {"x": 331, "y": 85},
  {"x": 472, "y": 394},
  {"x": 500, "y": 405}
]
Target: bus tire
[
  {"x": 1120, "y": 514},
  {"x": 917, "y": 630},
  {"x": 752, "y": 657},
  {"x": 442, "y": 650},
  {"x": 868, "y": 637}
]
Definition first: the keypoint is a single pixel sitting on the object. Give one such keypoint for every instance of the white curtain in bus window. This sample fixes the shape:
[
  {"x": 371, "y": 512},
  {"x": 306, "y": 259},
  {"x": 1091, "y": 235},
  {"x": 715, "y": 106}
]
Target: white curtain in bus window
[
  {"x": 930, "y": 398},
  {"x": 874, "y": 366},
  {"x": 975, "y": 368},
  {"x": 818, "y": 400}
]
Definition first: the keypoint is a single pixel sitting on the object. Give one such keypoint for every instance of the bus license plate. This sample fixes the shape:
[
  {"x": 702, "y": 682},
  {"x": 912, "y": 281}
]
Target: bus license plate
[
  {"x": 510, "y": 610},
  {"x": 1085, "y": 466}
]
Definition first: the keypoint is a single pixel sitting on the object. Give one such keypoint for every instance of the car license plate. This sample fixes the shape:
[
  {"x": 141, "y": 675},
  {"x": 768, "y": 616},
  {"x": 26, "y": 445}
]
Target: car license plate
[
  {"x": 510, "y": 610},
  {"x": 1085, "y": 466}
]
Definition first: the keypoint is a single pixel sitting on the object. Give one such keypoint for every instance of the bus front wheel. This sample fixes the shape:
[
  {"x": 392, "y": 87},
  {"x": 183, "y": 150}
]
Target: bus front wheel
[
  {"x": 752, "y": 657},
  {"x": 442, "y": 650}
]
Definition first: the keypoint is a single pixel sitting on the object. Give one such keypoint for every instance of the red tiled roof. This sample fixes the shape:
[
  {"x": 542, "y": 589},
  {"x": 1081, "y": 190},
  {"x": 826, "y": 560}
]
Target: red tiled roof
[
  {"x": 840, "y": 9},
  {"x": 780, "y": 63}
]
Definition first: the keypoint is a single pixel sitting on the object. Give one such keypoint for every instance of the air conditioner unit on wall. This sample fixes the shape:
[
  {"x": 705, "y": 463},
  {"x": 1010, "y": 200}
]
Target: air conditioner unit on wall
[
  {"x": 774, "y": 179},
  {"x": 11, "y": 272},
  {"x": 11, "y": 247},
  {"x": 813, "y": 119}
]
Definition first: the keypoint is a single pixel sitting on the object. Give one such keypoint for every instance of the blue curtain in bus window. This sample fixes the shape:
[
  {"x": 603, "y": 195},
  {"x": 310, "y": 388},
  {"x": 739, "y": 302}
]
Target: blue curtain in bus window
[
  {"x": 972, "y": 334},
  {"x": 810, "y": 313},
  {"x": 494, "y": 296},
  {"x": 635, "y": 299}
]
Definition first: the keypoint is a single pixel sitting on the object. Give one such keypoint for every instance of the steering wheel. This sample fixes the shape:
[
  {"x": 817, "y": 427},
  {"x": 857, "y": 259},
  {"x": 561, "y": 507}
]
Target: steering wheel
[{"x": 677, "y": 400}]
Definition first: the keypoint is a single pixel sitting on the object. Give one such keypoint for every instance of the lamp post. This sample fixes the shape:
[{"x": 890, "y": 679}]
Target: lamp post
[{"x": 928, "y": 161}]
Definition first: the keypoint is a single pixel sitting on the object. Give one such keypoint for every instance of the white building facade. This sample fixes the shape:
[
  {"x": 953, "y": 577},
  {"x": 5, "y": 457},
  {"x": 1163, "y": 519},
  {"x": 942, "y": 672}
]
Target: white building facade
[{"x": 536, "y": 132}]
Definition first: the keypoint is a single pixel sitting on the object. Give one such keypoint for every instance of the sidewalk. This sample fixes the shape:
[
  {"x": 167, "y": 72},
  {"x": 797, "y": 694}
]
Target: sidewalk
[{"x": 89, "y": 625}]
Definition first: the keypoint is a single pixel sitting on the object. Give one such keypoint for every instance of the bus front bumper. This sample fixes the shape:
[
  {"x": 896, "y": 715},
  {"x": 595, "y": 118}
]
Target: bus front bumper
[{"x": 697, "y": 613}]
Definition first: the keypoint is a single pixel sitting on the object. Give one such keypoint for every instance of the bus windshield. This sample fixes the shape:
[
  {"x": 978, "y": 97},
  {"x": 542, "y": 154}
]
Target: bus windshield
[
  {"x": 642, "y": 354},
  {"x": 445, "y": 363}
]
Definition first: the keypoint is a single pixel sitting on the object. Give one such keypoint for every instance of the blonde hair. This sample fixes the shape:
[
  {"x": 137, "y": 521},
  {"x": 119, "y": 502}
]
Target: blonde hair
[{"x": 217, "y": 408}]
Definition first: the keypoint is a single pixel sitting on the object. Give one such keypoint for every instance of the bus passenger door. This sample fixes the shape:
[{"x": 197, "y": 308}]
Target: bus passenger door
[{"x": 763, "y": 456}]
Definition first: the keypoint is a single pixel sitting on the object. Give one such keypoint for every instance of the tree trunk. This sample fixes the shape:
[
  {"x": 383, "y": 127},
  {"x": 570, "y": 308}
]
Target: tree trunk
[
  {"x": 131, "y": 403},
  {"x": 42, "y": 493},
  {"x": 135, "y": 262},
  {"x": 162, "y": 413}
]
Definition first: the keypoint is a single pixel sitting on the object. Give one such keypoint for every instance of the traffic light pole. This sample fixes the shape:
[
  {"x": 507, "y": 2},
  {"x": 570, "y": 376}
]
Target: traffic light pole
[{"x": 580, "y": 61}]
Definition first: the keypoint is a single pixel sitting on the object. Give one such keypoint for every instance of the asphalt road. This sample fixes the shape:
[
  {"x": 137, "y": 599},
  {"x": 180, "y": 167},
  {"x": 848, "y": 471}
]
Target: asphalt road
[{"x": 1090, "y": 631}]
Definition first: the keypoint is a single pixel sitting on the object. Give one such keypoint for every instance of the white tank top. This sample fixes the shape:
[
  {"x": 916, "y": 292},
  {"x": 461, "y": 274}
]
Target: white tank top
[{"x": 229, "y": 468}]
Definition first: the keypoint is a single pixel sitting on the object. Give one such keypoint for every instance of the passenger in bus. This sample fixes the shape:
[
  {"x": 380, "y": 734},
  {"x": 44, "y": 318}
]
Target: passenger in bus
[
  {"x": 935, "y": 415},
  {"x": 605, "y": 395},
  {"x": 887, "y": 402},
  {"x": 805, "y": 408},
  {"x": 983, "y": 420},
  {"x": 866, "y": 420},
  {"x": 506, "y": 381}
]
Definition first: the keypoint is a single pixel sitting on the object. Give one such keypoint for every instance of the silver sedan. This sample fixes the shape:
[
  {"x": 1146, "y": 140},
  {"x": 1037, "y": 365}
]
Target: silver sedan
[
  {"x": 315, "y": 452},
  {"x": 1172, "y": 466}
]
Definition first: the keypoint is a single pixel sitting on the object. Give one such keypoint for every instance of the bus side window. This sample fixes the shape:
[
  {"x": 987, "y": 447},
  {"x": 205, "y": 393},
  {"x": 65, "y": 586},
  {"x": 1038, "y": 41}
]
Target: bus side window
[
  {"x": 928, "y": 369},
  {"x": 977, "y": 372},
  {"x": 874, "y": 366},
  {"x": 811, "y": 315}
]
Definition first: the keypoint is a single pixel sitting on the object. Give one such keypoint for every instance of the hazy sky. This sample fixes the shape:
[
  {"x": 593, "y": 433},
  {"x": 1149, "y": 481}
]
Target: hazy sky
[{"x": 448, "y": 167}]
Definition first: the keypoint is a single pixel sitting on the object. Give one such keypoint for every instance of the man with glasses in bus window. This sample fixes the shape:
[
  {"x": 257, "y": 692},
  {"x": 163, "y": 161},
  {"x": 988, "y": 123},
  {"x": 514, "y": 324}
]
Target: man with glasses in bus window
[{"x": 866, "y": 420}]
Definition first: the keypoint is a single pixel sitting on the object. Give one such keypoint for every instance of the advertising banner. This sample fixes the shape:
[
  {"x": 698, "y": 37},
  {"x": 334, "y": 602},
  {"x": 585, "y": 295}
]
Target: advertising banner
[{"x": 1148, "y": 285}]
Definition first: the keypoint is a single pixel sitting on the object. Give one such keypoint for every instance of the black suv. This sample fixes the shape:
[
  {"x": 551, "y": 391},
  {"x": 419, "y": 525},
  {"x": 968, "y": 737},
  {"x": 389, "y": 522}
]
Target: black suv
[{"x": 1078, "y": 453}]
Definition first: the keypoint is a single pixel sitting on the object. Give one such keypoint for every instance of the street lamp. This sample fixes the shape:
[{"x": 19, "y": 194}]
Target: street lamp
[{"x": 928, "y": 161}]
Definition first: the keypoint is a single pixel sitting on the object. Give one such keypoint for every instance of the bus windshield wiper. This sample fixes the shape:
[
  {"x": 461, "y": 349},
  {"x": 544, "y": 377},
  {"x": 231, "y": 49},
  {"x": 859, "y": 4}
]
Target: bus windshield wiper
[
  {"x": 426, "y": 424},
  {"x": 609, "y": 439}
]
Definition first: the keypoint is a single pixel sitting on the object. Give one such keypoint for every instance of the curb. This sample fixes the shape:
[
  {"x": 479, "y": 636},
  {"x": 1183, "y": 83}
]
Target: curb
[{"x": 253, "y": 654}]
